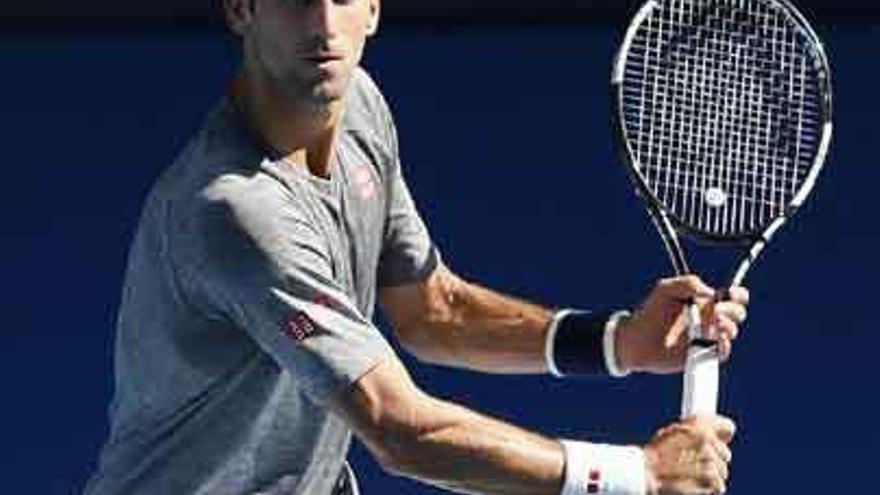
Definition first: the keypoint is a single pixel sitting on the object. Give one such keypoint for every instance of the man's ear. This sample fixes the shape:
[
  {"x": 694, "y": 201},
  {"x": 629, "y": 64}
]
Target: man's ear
[
  {"x": 373, "y": 22},
  {"x": 239, "y": 14}
]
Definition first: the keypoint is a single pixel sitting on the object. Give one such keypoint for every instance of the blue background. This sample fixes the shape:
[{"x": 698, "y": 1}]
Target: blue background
[{"x": 506, "y": 142}]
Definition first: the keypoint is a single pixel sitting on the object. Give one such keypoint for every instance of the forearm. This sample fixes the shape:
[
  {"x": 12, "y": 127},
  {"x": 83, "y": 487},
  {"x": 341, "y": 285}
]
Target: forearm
[
  {"x": 443, "y": 444},
  {"x": 461, "y": 324},
  {"x": 471, "y": 453}
]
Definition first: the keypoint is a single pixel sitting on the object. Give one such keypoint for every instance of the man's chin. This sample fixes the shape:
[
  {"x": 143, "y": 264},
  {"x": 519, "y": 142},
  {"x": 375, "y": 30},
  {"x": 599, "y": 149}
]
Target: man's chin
[
  {"x": 328, "y": 93},
  {"x": 317, "y": 93}
]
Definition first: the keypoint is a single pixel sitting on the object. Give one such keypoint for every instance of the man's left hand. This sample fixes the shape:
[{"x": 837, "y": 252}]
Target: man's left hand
[{"x": 654, "y": 339}]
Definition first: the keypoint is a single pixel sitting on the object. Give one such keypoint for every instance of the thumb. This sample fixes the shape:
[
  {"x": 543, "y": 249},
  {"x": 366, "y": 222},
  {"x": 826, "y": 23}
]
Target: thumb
[
  {"x": 674, "y": 336},
  {"x": 679, "y": 329},
  {"x": 725, "y": 429}
]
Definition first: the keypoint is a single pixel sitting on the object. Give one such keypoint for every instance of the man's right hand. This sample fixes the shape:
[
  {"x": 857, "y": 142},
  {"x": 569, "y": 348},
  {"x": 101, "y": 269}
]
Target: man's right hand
[{"x": 690, "y": 457}]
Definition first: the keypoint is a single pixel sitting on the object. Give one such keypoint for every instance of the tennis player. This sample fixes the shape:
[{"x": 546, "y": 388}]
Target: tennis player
[{"x": 245, "y": 352}]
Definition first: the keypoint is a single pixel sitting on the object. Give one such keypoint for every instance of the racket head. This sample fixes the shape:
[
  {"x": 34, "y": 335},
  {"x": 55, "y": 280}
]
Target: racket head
[{"x": 724, "y": 113}]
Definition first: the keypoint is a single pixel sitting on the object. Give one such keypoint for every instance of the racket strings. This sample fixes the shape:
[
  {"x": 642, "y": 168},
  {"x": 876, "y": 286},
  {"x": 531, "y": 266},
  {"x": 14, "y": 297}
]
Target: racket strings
[{"x": 722, "y": 110}]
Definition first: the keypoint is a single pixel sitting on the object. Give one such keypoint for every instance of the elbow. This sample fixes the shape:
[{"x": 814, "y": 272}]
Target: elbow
[
  {"x": 433, "y": 335},
  {"x": 391, "y": 441},
  {"x": 391, "y": 416},
  {"x": 409, "y": 450},
  {"x": 425, "y": 341},
  {"x": 397, "y": 437},
  {"x": 414, "y": 338},
  {"x": 393, "y": 466},
  {"x": 426, "y": 317}
]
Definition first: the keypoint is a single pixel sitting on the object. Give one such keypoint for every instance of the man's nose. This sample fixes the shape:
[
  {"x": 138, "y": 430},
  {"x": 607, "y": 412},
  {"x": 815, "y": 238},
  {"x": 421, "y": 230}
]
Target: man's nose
[{"x": 323, "y": 17}]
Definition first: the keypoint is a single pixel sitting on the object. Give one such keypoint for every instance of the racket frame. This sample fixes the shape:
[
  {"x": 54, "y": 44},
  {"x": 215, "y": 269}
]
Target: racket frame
[{"x": 661, "y": 215}]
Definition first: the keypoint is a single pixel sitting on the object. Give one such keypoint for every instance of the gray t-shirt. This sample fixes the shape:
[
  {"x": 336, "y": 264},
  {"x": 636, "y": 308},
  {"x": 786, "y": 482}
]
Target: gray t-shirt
[{"x": 247, "y": 306}]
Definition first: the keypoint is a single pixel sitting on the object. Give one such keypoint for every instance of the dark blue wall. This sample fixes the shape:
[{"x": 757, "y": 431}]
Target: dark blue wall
[{"x": 506, "y": 141}]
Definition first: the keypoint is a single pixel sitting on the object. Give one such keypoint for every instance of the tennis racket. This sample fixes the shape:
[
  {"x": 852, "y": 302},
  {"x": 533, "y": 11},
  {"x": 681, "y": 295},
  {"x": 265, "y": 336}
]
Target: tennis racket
[{"x": 724, "y": 112}]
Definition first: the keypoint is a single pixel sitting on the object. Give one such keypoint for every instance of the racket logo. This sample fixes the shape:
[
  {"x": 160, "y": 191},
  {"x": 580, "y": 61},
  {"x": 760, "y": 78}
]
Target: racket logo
[{"x": 715, "y": 197}]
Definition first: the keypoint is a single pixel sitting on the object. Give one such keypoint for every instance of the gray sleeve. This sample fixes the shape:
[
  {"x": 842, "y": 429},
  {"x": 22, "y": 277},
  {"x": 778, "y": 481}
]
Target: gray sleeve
[
  {"x": 408, "y": 254},
  {"x": 252, "y": 259}
]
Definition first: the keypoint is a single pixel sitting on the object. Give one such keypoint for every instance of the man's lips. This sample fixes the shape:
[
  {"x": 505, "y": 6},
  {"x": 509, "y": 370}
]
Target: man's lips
[{"x": 322, "y": 58}]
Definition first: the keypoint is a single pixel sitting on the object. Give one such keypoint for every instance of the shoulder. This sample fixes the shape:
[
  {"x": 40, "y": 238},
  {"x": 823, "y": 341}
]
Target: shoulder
[
  {"x": 243, "y": 224},
  {"x": 220, "y": 179},
  {"x": 365, "y": 97},
  {"x": 255, "y": 205},
  {"x": 210, "y": 163}
]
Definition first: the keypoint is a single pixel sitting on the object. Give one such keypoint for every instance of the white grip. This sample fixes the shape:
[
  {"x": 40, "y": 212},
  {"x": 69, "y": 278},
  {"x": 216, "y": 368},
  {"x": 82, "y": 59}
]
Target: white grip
[{"x": 701, "y": 372}]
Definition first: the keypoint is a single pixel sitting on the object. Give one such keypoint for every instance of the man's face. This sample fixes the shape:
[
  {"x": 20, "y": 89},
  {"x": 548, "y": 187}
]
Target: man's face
[{"x": 308, "y": 48}]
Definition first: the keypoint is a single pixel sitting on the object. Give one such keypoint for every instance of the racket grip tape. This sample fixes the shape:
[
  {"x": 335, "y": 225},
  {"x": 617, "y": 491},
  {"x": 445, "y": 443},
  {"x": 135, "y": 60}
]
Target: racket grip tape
[{"x": 701, "y": 372}]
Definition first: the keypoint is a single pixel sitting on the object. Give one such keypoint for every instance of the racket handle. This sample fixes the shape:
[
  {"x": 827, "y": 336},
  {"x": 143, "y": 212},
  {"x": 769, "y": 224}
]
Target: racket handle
[{"x": 701, "y": 371}]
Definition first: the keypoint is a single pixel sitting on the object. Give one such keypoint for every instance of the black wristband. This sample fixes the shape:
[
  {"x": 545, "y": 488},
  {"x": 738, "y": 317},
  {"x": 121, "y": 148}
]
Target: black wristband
[{"x": 578, "y": 346}]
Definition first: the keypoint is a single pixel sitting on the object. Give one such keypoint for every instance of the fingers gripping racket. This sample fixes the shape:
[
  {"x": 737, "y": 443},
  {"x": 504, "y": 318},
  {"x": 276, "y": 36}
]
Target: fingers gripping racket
[{"x": 724, "y": 116}]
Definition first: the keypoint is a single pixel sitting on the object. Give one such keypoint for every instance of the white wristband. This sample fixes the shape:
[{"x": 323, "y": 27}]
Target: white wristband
[
  {"x": 599, "y": 469},
  {"x": 550, "y": 341},
  {"x": 609, "y": 342}
]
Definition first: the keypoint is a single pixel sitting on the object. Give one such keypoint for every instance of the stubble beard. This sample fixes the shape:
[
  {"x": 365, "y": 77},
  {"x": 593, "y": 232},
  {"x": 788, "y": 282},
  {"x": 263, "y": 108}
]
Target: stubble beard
[{"x": 311, "y": 96}]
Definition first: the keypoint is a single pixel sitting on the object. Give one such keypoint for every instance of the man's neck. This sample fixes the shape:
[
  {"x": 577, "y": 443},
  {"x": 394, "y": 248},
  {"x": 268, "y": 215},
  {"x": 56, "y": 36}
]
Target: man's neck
[{"x": 302, "y": 132}]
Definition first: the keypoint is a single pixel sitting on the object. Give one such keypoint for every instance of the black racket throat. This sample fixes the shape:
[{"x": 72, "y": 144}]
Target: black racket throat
[{"x": 711, "y": 258}]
